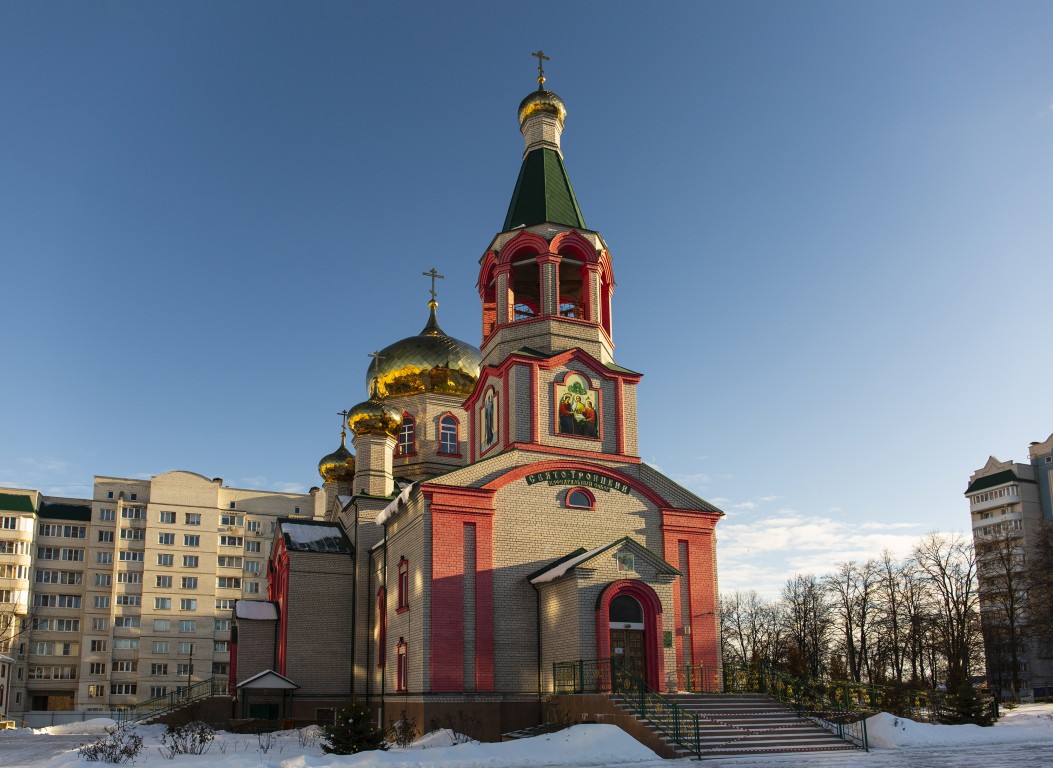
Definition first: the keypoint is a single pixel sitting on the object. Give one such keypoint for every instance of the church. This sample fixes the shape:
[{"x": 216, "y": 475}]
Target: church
[{"x": 495, "y": 517}]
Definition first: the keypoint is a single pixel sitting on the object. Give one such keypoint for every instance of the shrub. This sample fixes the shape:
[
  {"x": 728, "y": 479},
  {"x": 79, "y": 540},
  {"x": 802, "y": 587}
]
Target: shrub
[
  {"x": 403, "y": 731},
  {"x": 119, "y": 745},
  {"x": 190, "y": 739},
  {"x": 352, "y": 732}
]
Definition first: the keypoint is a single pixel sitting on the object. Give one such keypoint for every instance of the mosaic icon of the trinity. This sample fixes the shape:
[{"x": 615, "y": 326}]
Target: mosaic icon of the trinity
[{"x": 578, "y": 407}]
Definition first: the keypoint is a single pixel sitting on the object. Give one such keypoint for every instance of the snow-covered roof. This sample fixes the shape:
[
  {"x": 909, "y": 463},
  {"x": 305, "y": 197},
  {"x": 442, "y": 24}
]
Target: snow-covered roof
[
  {"x": 314, "y": 536},
  {"x": 268, "y": 679},
  {"x": 6, "y": 659},
  {"x": 256, "y": 610},
  {"x": 393, "y": 506},
  {"x": 564, "y": 564}
]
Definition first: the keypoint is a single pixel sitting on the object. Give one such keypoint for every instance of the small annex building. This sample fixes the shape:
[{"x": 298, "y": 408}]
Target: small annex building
[{"x": 495, "y": 517}]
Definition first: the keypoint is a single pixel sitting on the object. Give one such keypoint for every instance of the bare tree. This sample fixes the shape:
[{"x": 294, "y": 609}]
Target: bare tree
[
  {"x": 1003, "y": 616},
  {"x": 853, "y": 588},
  {"x": 1039, "y": 585},
  {"x": 808, "y": 622}
]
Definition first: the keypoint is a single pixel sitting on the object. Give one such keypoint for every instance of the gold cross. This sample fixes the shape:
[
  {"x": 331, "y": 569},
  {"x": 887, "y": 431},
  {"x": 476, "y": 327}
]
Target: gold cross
[
  {"x": 376, "y": 379},
  {"x": 343, "y": 421},
  {"x": 433, "y": 275},
  {"x": 541, "y": 59}
]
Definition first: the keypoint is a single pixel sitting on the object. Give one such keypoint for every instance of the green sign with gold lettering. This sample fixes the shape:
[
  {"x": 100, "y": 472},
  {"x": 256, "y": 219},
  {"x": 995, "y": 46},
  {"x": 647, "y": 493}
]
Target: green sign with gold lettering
[{"x": 595, "y": 480}]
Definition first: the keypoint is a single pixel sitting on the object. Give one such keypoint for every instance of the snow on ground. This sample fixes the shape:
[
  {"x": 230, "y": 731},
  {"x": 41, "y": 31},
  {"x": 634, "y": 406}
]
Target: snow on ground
[{"x": 1022, "y": 738}]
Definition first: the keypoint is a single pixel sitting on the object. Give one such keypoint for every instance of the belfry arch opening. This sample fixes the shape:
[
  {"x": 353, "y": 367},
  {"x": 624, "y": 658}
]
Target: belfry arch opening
[
  {"x": 573, "y": 279},
  {"x": 525, "y": 285}
]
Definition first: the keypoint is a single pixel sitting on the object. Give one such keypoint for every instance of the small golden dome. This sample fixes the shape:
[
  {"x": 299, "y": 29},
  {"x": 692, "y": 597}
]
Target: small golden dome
[
  {"x": 338, "y": 465},
  {"x": 428, "y": 362},
  {"x": 542, "y": 101},
  {"x": 373, "y": 417}
]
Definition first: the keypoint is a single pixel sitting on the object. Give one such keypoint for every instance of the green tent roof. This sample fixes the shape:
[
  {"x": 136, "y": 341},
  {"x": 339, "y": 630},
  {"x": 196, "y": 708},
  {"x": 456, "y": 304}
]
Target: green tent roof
[
  {"x": 16, "y": 502},
  {"x": 998, "y": 478},
  {"x": 543, "y": 193}
]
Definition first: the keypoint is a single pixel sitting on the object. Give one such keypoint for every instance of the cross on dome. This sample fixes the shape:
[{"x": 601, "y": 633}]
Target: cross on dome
[{"x": 541, "y": 59}]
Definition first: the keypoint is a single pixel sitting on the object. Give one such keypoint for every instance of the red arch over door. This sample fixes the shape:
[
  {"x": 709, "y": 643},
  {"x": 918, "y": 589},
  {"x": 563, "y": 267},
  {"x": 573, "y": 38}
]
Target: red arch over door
[{"x": 652, "y": 609}]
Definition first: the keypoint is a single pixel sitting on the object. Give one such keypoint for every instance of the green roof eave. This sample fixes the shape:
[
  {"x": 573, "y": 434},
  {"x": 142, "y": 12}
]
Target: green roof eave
[
  {"x": 16, "y": 502},
  {"x": 543, "y": 193},
  {"x": 59, "y": 511},
  {"x": 998, "y": 478}
]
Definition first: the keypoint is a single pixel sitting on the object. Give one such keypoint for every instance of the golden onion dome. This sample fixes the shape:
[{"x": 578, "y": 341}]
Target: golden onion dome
[
  {"x": 373, "y": 417},
  {"x": 542, "y": 101},
  {"x": 338, "y": 465},
  {"x": 428, "y": 362}
]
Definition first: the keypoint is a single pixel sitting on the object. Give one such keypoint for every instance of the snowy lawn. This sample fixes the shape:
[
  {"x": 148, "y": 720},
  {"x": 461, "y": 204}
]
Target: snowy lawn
[{"x": 1023, "y": 737}]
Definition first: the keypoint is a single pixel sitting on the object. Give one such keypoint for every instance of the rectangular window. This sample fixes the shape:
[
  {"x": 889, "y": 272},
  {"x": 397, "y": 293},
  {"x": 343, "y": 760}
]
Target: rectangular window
[
  {"x": 182, "y": 669},
  {"x": 224, "y": 604},
  {"x": 157, "y": 691},
  {"x": 9, "y": 523},
  {"x": 161, "y": 625},
  {"x": 96, "y": 691},
  {"x": 237, "y": 520},
  {"x": 190, "y": 561},
  {"x": 128, "y": 622},
  {"x": 101, "y": 601},
  {"x": 103, "y": 580},
  {"x": 100, "y": 624},
  {"x": 166, "y": 539},
  {"x": 188, "y": 625},
  {"x": 162, "y": 603},
  {"x": 222, "y": 646},
  {"x": 220, "y": 668},
  {"x": 191, "y": 540},
  {"x": 167, "y": 517},
  {"x": 252, "y": 546},
  {"x": 104, "y": 558},
  {"x": 164, "y": 582},
  {"x": 230, "y": 541},
  {"x": 252, "y": 587},
  {"x": 185, "y": 649},
  {"x": 135, "y": 534},
  {"x": 228, "y": 582},
  {"x": 98, "y": 646},
  {"x": 188, "y": 582},
  {"x": 45, "y": 577},
  {"x": 126, "y": 666},
  {"x": 130, "y": 577},
  {"x": 253, "y": 566},
  {"x": 131, "y": 556},
  {"x": 158, "y": 670},
  {"x": 403, "y": 593},
  {"x": 188, "y": 604},
  {"x": 106, "y": 537},
  {"x": 125, "y": 643},
  {"x": 192, "y": 518},
  {"x": 253, "y": 526},
  {"x": 159, "y": 646},
  {"x": 123, "y": 689},
  {"x": 165, "y": 560},
  {"x": 229, "y": 561},
  {"x": 403, "y": 669},
  {"x": 133, "y": 513},
  {"x": 222, "y": 625},
  {"x": 107, "y": 515}
]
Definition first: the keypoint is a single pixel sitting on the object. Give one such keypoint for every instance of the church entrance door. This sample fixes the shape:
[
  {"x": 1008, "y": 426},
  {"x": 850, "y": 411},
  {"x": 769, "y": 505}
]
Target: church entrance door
[{"x": 628, "y": 635}]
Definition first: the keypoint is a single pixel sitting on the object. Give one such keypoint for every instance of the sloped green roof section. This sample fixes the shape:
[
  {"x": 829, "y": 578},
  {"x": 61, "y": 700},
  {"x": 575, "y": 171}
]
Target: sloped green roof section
[
  {"x": 998, "y": 478},
  {"x": 543, "y": 193},
  {"x": 15, "y": 502}
]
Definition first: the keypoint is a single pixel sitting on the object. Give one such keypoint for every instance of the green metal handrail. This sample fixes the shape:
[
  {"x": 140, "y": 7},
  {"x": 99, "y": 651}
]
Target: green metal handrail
[{"x": 180, "y": 697}]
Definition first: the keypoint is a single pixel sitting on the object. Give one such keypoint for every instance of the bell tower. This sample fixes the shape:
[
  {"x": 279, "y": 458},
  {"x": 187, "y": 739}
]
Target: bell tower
[{"x": 545, "y": 280}]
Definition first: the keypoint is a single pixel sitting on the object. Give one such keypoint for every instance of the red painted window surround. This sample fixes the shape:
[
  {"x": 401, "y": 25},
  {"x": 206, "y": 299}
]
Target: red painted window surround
[
  {"x": 403, "y": 594},
  {"x": 382, "y": 626},
  {"x": 400, "y": 678},
  {"x": 585, "y": 492}
]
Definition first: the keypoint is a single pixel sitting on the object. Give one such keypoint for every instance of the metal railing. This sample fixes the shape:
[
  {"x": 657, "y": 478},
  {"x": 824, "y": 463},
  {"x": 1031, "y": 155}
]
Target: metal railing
[
  {"x": 601, "y": 676},
  {"x": 180, "y": 697}
]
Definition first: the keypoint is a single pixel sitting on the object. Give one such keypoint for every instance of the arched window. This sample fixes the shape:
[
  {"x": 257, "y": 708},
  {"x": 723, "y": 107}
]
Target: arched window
[
  {"x": 573, "y": 288},
  {"x": 449, "y": 442},
  {"x": 403, "y": 595},
  {"x": 408, "y": 436},
  {"x": 579, "y": 498},
  {"x": 526, "y": 289},
  {"x": 625, "y": 609}
]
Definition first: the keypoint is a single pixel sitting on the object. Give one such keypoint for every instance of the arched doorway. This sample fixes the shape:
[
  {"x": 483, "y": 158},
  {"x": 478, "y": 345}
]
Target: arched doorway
[{"x": 626, "y": 625}]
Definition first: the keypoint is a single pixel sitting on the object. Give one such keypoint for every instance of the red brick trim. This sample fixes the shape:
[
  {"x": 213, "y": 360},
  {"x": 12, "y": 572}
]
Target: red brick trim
[{"x": 652, "y": 608}]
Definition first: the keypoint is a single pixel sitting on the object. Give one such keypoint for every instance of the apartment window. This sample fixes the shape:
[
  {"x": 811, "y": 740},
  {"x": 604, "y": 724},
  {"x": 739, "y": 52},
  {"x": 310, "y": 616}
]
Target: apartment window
[
  {"x": 191, "y": 540},
  {"x": 228, "y": 582},
  {"x": 185, "y": 649},
  {"x": 448, "y": 438},
  {"x": 103, "y": 580},
  {"x": 222, "y": 625},
  {"x": 166, "y": 539},
  {"x": 128, "y": 622},
  {"x": 401, "y": 675},
  {"x": 162, "y": 625},
  {"x": 188, "y": 582},
  {"x": 190, "y": 561},
  {"x": 403, "y": 593},
  {"x": 164, "y": 582},
  {"x": 166, "y": 517},
  {"x": 125, "y": 643},
  {"x": 100, "y": 624},
  {"x": 237, "y": 520},
  {"x": 126, "y": 666},
  {"x": 252, "y": 546},
  {"x": 233, "y": 504},
  {"x": 230, "y": 541},
  {"x": 123, "y": 689},
  {"x": 252, "y": 587},
  {"x": 296, "y": 510},
  {"x": 135, "y": 534},
  {"x": 98, "y": 646},
  {"x": 131, "y": 556},
  {"x": 229, "y": 561},
  {"x": 192, "y": 518},
  {"x": 224, "y": 604},
  {"x": 60, "y": 553},
  {"x": 162, "y": 603},
  {"x": 9, "y": 523},
  {"x": 96, "y": 691},
  {"x": 134, "y": 497},
  {"x": 182, "y": 669},
  {"x": 187, "y": 604},
  {"x": 106, "y": 537},
  {"x": 104, "y": 558},
  {"x": 221, "y": 646},
  {"x": 253, "y": 526},
  {"x": 44, "y": 577},
  {"x": 159, "y": 646},
  {"x": 130, "y": 577},
  {"x": 165, "y": 559},
  {"x": 188, "y": 625},
  {"x": 55, "y": 601},
  {"x": 101, "y": 601},
  {"x": 220, "y": 668},
  {"x": 67, "y": 625},
  {"x": 133, "y": 513},
  {"x": 407, "y": 436},
  {"x": 157, "y": 691},
  {"x": 108, "y": 515},
  {"x": 253, "y": 566}
]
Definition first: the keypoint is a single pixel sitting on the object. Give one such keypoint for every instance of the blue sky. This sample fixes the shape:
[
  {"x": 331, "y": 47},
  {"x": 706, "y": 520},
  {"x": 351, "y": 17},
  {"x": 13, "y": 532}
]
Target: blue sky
[{"x": 830, "y": 224}]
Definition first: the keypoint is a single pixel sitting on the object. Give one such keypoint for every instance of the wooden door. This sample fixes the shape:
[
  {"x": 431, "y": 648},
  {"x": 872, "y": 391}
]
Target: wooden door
[{"x": 627, "y": 650}]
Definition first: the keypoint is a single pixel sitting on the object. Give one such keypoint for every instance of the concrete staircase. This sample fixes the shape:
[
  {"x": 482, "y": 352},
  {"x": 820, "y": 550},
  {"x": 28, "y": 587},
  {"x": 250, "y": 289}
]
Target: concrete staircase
[{"x": 737, "y": 725}]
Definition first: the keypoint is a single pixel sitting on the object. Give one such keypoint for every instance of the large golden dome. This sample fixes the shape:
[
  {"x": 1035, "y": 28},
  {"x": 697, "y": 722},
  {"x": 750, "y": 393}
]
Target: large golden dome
[
  {"x": 542, "y": 101},
  {"x": 338, "y": 465},
  {"x": 373, "y": 417},
  {"x": 428, "y": 362}
]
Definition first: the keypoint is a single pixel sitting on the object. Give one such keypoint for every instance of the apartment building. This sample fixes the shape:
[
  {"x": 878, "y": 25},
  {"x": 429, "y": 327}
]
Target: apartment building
[{"x": 109, "y": 601}]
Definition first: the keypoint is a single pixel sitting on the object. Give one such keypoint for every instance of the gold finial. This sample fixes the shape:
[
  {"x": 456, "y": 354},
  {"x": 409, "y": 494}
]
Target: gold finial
[
  {"x": 375, "y": 388},
  {"x": 433, "y": 275},
  {"x": 343, "y": 422},
  {"x": 541, "y": 59}
]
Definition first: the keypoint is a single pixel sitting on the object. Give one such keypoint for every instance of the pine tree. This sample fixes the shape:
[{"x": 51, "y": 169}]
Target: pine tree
[{"x": 354, "y": 731}]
